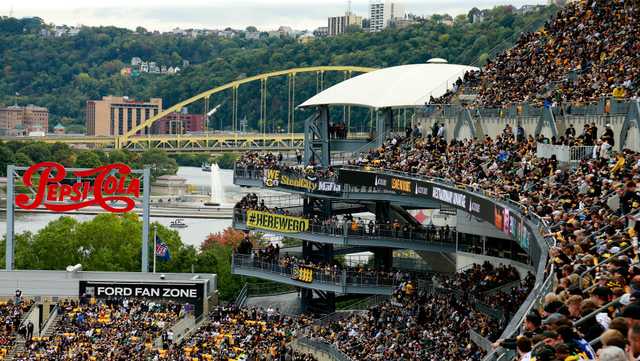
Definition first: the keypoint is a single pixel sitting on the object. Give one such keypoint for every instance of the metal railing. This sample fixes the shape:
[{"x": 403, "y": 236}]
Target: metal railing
[
  {"x": 320, "y": 346},
  {"x": 241, "y": 298},
  {"x": 53, "y": 316},
  {"x": 607, "y": 260},
  {"x": 268, "y": 289},
  {"x": 564, "y": 153},
  {"x": 380, "y": 232},
  {"x": 341, "y": 278},
  {"x": 198, "y": 323}
]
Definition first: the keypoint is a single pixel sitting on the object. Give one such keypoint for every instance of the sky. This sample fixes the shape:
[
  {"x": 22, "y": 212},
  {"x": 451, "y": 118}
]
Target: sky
[{"x": 165, "y": 15}]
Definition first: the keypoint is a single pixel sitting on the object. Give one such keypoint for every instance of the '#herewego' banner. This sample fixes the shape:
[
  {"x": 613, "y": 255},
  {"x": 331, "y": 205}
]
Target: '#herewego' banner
[{"x": 276, "y": 222}]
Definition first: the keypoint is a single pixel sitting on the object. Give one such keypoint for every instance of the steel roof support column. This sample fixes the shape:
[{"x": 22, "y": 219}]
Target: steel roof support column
[
  {"x": 146, "y": 198},
  {"x": 10, "y": 218}
]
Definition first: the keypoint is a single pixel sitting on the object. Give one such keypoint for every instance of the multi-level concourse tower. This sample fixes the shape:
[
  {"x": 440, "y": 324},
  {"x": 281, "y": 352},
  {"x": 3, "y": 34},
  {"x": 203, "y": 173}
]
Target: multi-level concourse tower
[{"x": 387, "y": 196}]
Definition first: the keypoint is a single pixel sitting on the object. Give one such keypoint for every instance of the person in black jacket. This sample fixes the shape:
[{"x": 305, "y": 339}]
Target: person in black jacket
[{"x": 532, "y": 325}]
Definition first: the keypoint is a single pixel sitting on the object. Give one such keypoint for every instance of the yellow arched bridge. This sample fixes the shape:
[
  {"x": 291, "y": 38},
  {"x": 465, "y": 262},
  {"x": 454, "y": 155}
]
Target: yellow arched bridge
[{"x": 233, "y": 140}]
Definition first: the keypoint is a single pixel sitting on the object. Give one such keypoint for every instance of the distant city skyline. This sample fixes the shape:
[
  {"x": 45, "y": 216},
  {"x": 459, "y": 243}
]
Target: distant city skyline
[{"x": 165, "y": 15}]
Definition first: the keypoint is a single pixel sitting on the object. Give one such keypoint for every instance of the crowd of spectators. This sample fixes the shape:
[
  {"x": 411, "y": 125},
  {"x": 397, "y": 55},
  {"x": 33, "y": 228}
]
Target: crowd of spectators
[
  {"x": 11, "y": 312},
  {"x": 362, "y": 226},
  {"x": 588, "y": 137},
  {"x": 481, "y": 277},
  {"x": 583, "y": 206},
  {"x": 338, "y": 130},
  {"x": 243, "y": 334},
  {"x": 432, "y": 324},
  {"x": 588, "y": 50},
  {"x": 114, "y": 330},
  {"x": 256, "y": 162}
]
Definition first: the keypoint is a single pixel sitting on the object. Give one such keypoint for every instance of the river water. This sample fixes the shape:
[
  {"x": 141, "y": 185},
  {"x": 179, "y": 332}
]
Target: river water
[{"x": 194, "y": 234}]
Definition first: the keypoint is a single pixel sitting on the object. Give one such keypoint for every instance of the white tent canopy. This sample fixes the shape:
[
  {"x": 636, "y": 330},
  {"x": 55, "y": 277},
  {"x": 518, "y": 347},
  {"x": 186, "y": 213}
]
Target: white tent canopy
[{"x": 402, "y": 86}]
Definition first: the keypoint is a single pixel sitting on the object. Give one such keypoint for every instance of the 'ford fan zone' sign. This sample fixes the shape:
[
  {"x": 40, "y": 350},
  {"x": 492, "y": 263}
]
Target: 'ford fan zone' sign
[{"x": 109, "y": 187}]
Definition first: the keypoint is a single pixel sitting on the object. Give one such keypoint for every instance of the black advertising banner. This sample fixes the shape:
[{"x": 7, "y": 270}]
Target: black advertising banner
[
  {"x": 400, "y": 185},
  {"x": 356, "y": 178},
  {"x": 503, "y": 219},
  {"x": 380, "y": 181},
  {"x": 276, "y": 178},
  {"x": 192, "y": 293},
  {"x": 422, "y": 189},
  {"x": 479, "y": 207}
]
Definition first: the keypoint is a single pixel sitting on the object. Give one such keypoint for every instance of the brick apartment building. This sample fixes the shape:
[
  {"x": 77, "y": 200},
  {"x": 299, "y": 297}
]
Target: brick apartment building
[
  {"x": 179, "y": 123},
  {"x": 16, "y": 120}
]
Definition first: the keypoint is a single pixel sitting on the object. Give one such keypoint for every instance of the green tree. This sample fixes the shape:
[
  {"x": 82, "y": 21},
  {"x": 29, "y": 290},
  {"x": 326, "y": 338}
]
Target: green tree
[
  {"x": 38, "y": 152},
  {"x": 6, "y": 157},
  {"x": 63, "y": 154},
  {"x": 159, "y": 162},
  {"x": 22, "y": 160},
  {"x": 119, "y": 156},
  {"x": 88, "y": 159},
  {"x": 227, "y": 160}
]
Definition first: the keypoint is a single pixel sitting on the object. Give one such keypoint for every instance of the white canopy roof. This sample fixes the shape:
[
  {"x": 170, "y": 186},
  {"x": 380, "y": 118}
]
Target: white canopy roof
[{"x": 396, "y": 87}]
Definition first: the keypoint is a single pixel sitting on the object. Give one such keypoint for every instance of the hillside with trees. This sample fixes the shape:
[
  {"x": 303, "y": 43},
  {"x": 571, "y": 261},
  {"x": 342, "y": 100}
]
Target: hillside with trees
[{"x": 62, "y": 73}]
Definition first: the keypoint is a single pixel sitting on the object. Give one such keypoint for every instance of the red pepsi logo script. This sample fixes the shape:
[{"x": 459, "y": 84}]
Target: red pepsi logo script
[{"x": 108, "y": 187}]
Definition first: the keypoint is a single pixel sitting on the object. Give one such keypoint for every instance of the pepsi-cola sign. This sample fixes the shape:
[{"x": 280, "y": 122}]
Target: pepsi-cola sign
[{"x": 108, "y": 186}]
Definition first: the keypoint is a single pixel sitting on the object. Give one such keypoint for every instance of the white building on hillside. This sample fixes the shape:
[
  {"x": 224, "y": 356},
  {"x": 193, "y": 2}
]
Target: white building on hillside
[{"x": 381, "y": 12}]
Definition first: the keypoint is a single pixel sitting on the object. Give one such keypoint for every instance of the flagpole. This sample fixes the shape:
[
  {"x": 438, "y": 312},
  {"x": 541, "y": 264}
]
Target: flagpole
[{"x": 155, "y": 243}]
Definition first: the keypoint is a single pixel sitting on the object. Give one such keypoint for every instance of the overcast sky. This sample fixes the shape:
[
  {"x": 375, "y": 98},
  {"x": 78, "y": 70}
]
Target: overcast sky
[{"x": 214, "y": 14}]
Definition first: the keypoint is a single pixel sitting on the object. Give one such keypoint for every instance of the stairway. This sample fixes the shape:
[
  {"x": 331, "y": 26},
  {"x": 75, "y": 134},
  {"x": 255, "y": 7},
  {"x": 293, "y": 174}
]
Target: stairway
[
  {"x": 51, "y": 326},
  {"x": 18, "y": 348},
  {"x": 439, "y": 261},
  {"x": 20, "y": 342}
]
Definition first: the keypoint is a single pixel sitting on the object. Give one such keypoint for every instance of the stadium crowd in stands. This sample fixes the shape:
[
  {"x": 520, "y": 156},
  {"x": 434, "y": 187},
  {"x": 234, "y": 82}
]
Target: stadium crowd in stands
[
  {"x": 588, "y": 211},
  {"x": 123, "y": 329},
  {"x": 11, "y": 313},
  {"x": 255, "y": 163},
  {"x": 248, "y": 334},
  {"x": 412, "y": 325},
  {"x": 588, "y": 50}
]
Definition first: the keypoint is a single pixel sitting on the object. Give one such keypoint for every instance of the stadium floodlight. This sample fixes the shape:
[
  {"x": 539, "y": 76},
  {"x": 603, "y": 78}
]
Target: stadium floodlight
[{"x": 76, "y": 268}]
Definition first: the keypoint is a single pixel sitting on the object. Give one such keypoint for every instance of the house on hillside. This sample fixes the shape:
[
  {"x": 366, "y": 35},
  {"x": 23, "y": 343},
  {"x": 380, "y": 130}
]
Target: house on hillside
[
  {"x": 525, "y": 9},
  {"x": 252, "y": 35},
  {"x": 477, "y": 16},
  {"x": 306, "y": 38},
  {"x": 321, "y": 32},
  {"x": 447, "y": 20}
]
